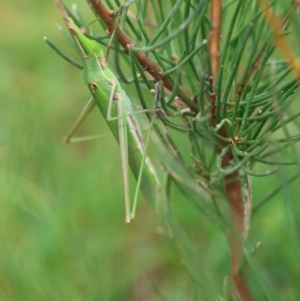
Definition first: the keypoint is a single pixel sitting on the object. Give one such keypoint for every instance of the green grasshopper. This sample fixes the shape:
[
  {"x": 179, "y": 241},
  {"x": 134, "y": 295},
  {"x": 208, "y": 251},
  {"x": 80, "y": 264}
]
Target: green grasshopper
[{"x": 119, "y": 113}]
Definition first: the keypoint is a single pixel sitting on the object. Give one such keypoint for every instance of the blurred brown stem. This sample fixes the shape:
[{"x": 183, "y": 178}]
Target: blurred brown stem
[
  {"x": 232, "y": 181},
  {"x": 280, "y": 41}
]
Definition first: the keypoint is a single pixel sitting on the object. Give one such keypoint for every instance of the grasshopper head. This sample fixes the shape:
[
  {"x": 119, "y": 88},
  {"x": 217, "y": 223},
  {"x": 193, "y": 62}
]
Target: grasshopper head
[{"x": 88, "y": 47}]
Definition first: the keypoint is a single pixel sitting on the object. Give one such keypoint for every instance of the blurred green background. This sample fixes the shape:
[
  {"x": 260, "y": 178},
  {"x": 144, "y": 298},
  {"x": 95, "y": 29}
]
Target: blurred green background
[{"x": 62, "y": 230}]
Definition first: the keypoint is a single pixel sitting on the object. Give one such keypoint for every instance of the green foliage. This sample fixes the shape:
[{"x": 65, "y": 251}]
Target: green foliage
[{"x": 62, "y": 230}]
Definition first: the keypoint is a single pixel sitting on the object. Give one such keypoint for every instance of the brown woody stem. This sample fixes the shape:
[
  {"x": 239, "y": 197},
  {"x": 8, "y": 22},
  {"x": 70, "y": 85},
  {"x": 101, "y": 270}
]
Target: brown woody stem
[{"x": 127, "y": 42}]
